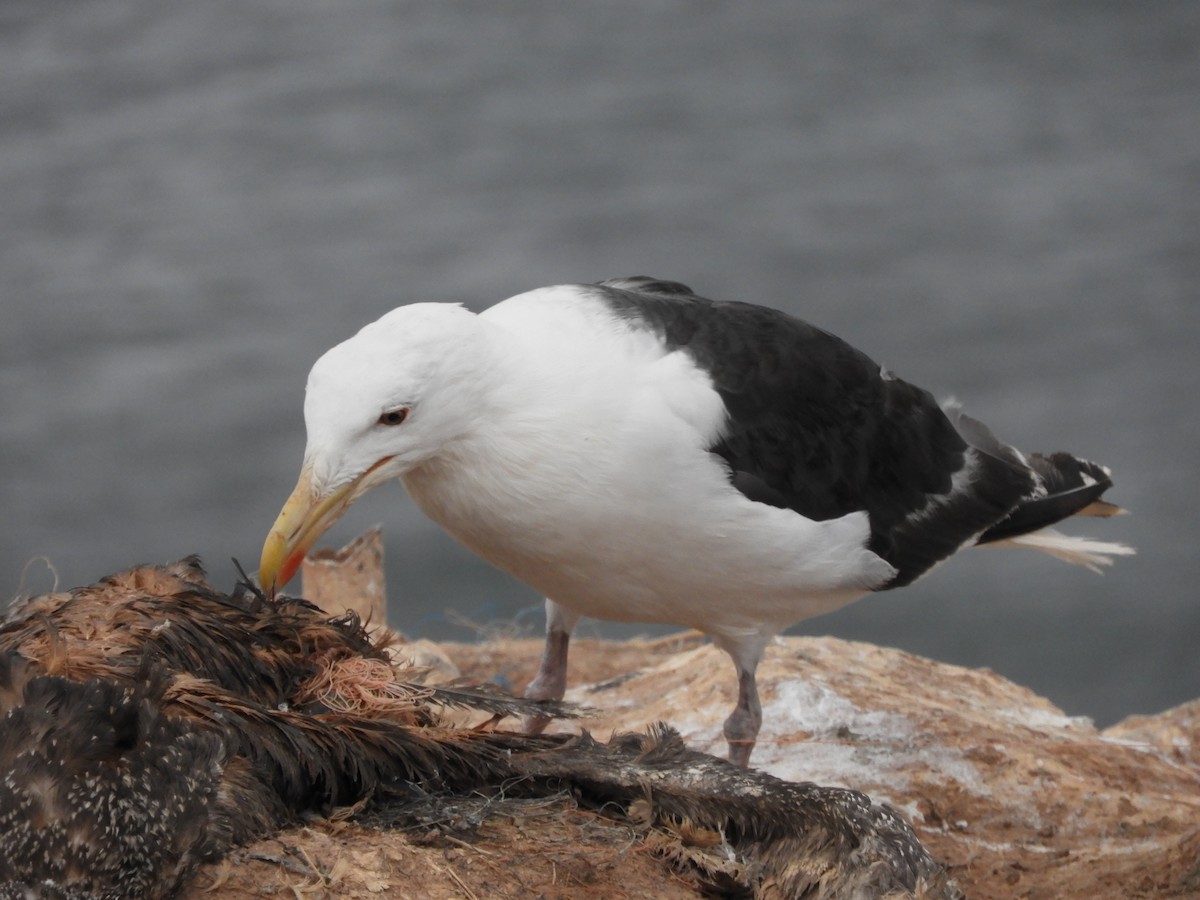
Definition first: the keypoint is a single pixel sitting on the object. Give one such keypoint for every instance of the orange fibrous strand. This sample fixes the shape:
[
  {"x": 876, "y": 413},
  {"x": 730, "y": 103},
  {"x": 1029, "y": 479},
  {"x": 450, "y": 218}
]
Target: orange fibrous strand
[{"x": 361, "y": 685}]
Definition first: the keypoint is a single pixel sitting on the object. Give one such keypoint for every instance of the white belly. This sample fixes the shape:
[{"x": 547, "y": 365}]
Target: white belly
[{"x": 666, "y": 540}]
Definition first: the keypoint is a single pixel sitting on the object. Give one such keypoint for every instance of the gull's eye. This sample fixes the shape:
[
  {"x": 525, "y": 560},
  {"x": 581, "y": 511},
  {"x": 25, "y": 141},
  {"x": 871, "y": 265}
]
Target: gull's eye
[{"x": 394, "y": 416}]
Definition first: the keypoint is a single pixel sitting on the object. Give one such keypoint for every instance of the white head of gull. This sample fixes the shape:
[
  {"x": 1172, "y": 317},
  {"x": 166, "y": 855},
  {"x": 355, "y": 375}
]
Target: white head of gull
[{"x": 635, "y": 452}]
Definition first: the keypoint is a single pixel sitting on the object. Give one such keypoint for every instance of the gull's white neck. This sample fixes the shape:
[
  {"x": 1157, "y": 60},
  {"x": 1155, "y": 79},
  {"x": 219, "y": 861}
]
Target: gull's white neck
[{"x": 544, "y": 404}]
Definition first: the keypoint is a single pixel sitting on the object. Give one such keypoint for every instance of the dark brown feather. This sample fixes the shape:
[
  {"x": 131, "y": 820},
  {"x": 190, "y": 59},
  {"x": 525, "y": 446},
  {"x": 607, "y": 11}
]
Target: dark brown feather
[{"x": 155, "y": 723}]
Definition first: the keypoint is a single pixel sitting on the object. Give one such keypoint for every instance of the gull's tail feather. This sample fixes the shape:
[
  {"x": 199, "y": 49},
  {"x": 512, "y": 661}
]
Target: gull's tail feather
[
  {"x": 1081, "y": 551},
  {"x": 1066, "y": 486}
]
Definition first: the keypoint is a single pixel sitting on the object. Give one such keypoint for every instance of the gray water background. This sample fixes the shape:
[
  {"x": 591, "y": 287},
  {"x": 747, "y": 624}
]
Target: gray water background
[{"x": 997, "y": 200}]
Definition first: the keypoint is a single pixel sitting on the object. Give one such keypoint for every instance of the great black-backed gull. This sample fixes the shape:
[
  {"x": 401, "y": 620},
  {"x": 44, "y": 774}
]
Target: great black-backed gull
[{"x": 639, "y": 453}]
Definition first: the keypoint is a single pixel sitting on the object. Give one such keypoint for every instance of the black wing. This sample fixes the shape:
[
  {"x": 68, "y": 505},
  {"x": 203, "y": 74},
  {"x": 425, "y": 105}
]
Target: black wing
[{"x": 815, "y": 426}]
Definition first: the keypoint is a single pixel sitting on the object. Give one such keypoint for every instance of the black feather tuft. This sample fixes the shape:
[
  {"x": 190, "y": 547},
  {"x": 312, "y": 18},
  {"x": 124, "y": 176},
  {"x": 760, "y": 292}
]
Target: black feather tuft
[{"x": 1071, "y": 485}]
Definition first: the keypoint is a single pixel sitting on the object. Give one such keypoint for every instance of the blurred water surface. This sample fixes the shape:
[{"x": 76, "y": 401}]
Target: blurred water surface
[{"x": 999, "y": 201}]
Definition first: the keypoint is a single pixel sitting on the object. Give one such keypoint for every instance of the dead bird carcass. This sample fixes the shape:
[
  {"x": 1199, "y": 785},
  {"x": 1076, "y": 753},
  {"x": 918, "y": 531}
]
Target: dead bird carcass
[{"x": 149, "y": 723}]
